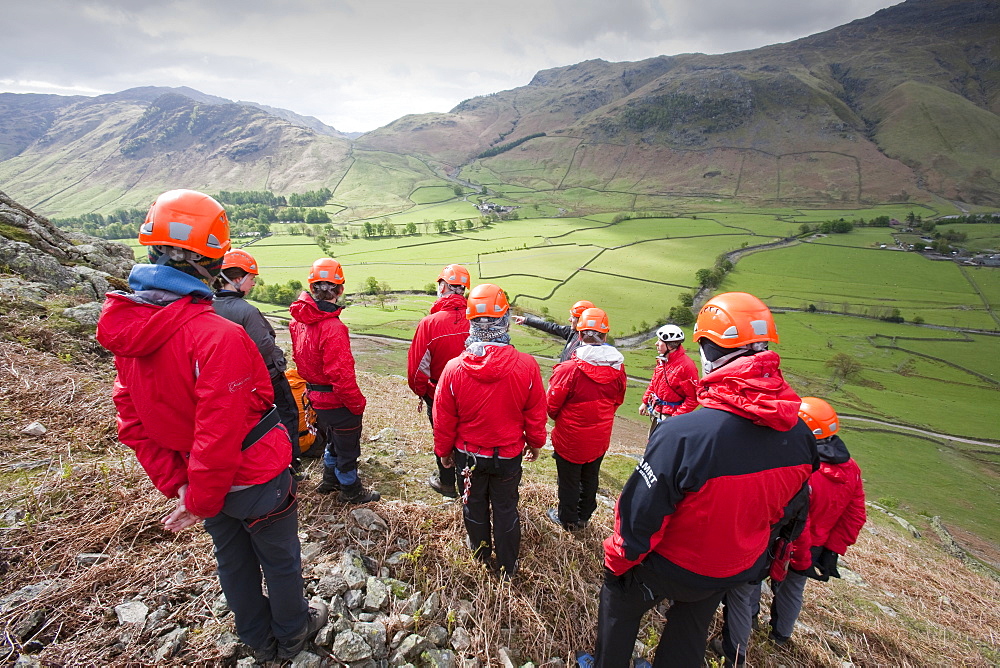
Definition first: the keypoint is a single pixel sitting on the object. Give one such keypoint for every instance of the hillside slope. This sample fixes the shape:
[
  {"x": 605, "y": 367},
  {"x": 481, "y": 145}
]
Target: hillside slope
[
  {"x": 120, "y": 151},
  {"x": 82, "y": 536},
  {"x": 89, "y": 577},
  {"x": 827, "y": 96}
]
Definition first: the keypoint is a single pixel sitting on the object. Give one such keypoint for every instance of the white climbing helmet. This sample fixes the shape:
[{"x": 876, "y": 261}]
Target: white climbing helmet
[{"x": 669, "y": 333}]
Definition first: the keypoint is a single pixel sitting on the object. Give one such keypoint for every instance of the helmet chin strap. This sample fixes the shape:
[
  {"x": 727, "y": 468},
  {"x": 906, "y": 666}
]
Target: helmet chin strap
[
  {"x": 174, "y": 254},
  {"x": 238, "y": 285},
  {"x": 708, "y": 366}
]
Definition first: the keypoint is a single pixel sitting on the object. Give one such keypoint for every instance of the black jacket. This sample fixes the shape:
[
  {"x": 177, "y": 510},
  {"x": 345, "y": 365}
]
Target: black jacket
[
  {"x": 232, "y": 306},
  {"x": 562, "y": 331}
]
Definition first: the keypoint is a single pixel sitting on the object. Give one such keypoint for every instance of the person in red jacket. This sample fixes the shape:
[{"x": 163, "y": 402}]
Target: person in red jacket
[
  {"x": 321, "y": 348},
  {"x": 489, "y": 412},
  {"x": 584, "y": 392},
  {"x": 699, "y": 513},
  {"x": 836, "y": 516},
  {"x": 439, "y": 338},
  {"x": 194, "y": 402},
  {"x": 672, "y": 389}
]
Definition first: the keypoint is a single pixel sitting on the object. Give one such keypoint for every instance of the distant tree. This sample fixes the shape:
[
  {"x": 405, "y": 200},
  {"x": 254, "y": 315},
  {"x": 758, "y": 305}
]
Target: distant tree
[
  {"x": 410, "y": 229},
  {"x": 686, "y": 299},
  {"x": 452, "y": 226},
  {"x": 458, "y": 190},
  {"x": 681, "y": 315},
  {"x": 371, "y": 286},
  {"x": 469, "y": 224},
  {"x": 918, "y": 320},
  {"x": 381, "y": 294},
  {"x": 706, "y": 278},
  {"x": 440, "y": 226},
  {"x": 844, "y": 366}
]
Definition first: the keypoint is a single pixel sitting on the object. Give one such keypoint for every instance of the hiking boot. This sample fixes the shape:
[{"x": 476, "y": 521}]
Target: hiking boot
[
  {"x": 330, "y": 482},
  {"x": 435, "y": 483},
  {"x": 715, "y": 644},
  {"x": 777, "y": 639},
  {"x": 356, "y": 493},
  {"x": 267, "y": 654},
  {"x": 553, "y": 516},
  {"x": 296, "y": 469},
  {"x": 584, "y": 660},
  {"x": 319, "y": 614}
]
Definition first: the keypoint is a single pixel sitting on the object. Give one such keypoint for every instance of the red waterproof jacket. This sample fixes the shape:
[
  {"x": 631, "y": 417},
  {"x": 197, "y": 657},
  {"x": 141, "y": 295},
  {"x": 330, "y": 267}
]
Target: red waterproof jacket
[
  {"x": 321, "y": 348},
  {"x": 836, "y": 504},
  {"x": 489, "y": 398},
  {"x": 673, "y": 388},
  {"x": 439, "y": 338},
  {"x": 191, "y": 385},
  {"x": 713, "y": 483},
  {"x": 584, "y": 392}
]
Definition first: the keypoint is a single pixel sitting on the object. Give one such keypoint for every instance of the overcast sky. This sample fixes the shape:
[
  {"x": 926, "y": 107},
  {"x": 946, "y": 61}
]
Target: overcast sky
[{"x": 359, "y": 64}]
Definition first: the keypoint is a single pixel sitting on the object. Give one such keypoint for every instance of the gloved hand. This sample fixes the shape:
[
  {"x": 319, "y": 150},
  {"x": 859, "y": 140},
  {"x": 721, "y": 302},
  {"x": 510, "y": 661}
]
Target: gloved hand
[
  {"x": 828, "y": 563},
  {"x": 811, "y": 572}
]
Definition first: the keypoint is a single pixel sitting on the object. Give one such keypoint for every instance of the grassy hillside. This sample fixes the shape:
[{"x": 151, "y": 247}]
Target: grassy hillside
[
  {"x": 903, "y": 600},
  {"x": 942, "y": 136}
]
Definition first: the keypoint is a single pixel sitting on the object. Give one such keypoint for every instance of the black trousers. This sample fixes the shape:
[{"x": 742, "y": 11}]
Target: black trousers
[
  {"x": 445, "y": 473},
  {"x": 342, "y": 431},
  {"x": 494, "y": 492},
  {"x": 284, "y": 401},
  {"x": 257, "y": 534},
  {"x": 577, "y": 486},
  {"x": 626, "y": 598}
]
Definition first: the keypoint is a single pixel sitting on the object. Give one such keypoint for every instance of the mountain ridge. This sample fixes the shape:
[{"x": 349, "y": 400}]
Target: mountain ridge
[{"x": 902, "y": 105}]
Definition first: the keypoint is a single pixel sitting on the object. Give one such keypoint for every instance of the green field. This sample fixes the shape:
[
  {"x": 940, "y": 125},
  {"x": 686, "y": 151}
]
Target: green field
[{"x": 828, "y": 293}]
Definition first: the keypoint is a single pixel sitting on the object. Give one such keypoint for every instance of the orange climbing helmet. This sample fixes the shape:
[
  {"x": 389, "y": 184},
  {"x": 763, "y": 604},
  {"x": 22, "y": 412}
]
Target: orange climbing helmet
[
  {"x": 187, "y": 219},
  {"x": 735, "y": 319},
  {"x": 486, "y": 300},
  {"x": 240, "y": 259},
  {"x": 580, "y": 307},
  {"x": 455, "y": 274},
  {"x": 819, "y": 416},
  {"x": 326, "y": 269},
  {"x": 594, "y": 319}
]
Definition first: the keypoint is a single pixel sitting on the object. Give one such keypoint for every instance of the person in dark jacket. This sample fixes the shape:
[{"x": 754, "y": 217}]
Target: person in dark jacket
[
  {"x": 194, "y": 403},
  {"x": 836, "y": 516},
  {"x": 584, "y": 392},
  {"x": 489, "y": 413},
  {"x": 439, "y": 338},
  {"x": 698, "y": 515},
  {"x": 567, "y": 332},
  {"x": 321, "y": 347},
  {"x": 239, "y": 274}
]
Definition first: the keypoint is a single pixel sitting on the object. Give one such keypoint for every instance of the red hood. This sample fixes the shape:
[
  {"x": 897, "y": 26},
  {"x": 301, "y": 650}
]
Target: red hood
[
  {"x": 834, "y": 472},
  {"x": 450, "y": 302},
  {"x": 752, "y": 387},
  {"x": 492, "y": 365},
  {"x": 305, "y": 310},
  {"x": 129, "y": 327}
]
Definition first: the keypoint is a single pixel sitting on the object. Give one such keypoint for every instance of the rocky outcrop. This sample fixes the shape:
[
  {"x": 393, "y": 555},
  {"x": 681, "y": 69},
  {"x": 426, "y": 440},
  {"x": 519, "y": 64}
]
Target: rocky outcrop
[{"x": 46, "y": 260}]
